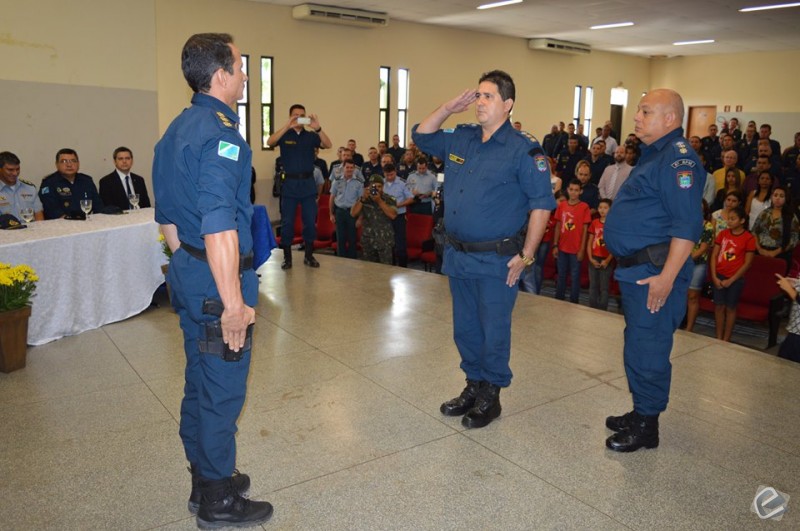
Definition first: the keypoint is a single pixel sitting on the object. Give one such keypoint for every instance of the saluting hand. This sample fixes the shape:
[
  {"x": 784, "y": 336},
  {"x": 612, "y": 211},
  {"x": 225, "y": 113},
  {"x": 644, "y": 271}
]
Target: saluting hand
[{"x": 461, "y": 102}]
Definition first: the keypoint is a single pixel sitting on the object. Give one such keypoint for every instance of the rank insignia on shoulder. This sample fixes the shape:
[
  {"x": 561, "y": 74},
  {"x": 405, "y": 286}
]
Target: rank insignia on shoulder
[
  {"x": 683, "y": 162},
  {"x": 224, "y": 119},
  {"x": 455, "y": 158},
  {"x": 46, "y": 190},
  {"x": 26, "y": 182},
  {"x": 228, "y": 150},
  {"x": 685, "y": 179}
]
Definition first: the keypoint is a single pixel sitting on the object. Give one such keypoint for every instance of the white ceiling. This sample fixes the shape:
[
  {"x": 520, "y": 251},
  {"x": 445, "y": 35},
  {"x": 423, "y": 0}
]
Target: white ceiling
[{"x": 658, "y": 23}]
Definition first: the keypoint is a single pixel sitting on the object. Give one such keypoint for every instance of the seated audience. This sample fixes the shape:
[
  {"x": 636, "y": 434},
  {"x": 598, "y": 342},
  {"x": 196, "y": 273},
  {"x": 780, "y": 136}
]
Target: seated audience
[
  {"x": 790, "y": 348},
  {"x": 15, "y": 193},
  {"x": 776, "y": 228},
  {"x": 62, "y": 191},
  {"x": 120, "y": 183}
]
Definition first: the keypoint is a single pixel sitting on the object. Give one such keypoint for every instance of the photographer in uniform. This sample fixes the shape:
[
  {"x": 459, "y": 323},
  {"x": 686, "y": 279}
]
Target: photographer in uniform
[{"x": 378, "y": 210}]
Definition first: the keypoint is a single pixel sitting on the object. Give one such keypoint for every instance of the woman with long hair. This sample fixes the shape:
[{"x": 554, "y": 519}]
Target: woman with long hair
[{"x": 776, "y": 228}]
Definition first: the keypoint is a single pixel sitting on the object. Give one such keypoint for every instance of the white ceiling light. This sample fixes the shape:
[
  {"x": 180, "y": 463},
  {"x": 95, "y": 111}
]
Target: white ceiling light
[
  {"x": 615, "y": 25},
  {"x": 685, "y": 43},
  {"x": 500, "y": 4},
  {"x": 764, "y": 8}
]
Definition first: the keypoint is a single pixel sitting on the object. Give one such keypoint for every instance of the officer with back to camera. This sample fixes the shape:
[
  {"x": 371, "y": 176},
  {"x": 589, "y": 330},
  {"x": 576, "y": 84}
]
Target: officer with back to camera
[{"x": 201, "y": 180}]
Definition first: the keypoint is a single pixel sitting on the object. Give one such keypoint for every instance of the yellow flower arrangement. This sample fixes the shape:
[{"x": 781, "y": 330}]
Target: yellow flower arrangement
[
  {"x": 17, "y": 285},
  {"x": 164, "y": 247}
]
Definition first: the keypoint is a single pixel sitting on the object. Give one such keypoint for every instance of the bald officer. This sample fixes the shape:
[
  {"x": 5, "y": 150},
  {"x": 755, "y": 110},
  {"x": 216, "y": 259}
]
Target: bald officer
[{"x": 651, "y": 229}]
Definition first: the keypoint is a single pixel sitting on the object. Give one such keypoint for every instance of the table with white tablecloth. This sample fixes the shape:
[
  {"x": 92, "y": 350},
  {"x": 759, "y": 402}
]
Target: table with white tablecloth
[{"x": 90, "y": 272}]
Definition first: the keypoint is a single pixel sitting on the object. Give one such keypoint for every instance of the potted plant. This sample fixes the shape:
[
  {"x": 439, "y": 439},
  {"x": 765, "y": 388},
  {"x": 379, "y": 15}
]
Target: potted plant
[{"x": 17, "y": 285}]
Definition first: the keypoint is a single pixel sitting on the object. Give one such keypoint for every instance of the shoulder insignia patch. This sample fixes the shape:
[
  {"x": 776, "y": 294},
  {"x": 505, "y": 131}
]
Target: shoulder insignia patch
[
  {"x": 46, "y": 190},
  {"x": 685, "y": 179},
  {"x": 224, "y": 120},
  {"x": 455, "y": 158},
  {"x": 683, "y": 162},
  {"x": 681, "y": 145},
  {"x": 228, "y": 150}
]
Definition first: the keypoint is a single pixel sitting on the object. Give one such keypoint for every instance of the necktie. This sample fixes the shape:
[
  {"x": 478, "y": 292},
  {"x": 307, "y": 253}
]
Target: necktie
[{"x": 128, "y": 184}]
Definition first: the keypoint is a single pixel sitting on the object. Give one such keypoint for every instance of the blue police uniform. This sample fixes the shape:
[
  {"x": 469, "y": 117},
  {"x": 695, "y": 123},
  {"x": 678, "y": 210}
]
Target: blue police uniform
[
  {"x": 15, "y": 198},
  {"x": 345, "y": 193},
  {"x": 60, "y": 197},
  {"x": 659, "y": 201},
  {"x": 401, "y": 193},
  {"x": 201, "y": 181},
  {"x": 299, "y": 186},
  {"x": 491, "y": 187}
]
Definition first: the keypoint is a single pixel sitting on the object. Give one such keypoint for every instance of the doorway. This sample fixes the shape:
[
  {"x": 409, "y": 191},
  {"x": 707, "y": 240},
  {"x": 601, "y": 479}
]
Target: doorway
[{"x": 700, "y": 117}]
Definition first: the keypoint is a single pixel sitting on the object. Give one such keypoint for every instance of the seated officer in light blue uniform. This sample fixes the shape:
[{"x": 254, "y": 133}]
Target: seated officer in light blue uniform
[
  {"x": 498, "y": 186},
  {"x": 651, "y": 230},
  {"x": 16, "y": 194},
  {"x": 201, "y": 181}
]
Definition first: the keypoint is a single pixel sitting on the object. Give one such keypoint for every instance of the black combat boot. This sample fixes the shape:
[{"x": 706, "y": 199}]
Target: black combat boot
[
  {"x": 641, "y": 433},
  {"x": 222, "y": 506},
  {"x": 486, "y": 408},
  {"x": 309, "y": 260},
  {"x": 463, "y": 402},
  {"x": 287, "y": 258},
  {"x": 623, "y": 422},
  {"x": 241, "y": 483}
]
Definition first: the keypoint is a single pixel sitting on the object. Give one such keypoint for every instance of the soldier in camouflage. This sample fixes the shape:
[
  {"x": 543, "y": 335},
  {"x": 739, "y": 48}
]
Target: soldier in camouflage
[{"x": 377, "y": 210}]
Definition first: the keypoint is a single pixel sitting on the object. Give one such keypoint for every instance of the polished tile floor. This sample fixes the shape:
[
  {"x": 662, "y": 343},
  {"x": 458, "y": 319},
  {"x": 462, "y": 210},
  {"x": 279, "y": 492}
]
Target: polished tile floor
[{"x": 341, "y": 429}]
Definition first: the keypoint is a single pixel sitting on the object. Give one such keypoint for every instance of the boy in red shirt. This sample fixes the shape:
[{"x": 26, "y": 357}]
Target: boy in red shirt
[
  {"x": 731, "y": 258},
  {"x": 599, "y": 259},
  {"x": 569, "y": 241}
]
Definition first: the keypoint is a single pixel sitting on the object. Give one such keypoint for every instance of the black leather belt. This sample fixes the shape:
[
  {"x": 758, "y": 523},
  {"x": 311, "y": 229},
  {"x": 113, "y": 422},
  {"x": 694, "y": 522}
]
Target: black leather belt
[
  {"x": 305, "y": 175},
  {"x": 653, "y": 254},
  {"x": 504, "y": 246},
  {"x": 245, "y": 261}
]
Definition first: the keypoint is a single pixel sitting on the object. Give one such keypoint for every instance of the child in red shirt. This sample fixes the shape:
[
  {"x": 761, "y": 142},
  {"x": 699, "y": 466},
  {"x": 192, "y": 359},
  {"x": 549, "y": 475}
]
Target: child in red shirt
[
  {"x": 599, "y": 259},
  {"x": 569, "y": 241},
  {"x": 732, "y": 256}
]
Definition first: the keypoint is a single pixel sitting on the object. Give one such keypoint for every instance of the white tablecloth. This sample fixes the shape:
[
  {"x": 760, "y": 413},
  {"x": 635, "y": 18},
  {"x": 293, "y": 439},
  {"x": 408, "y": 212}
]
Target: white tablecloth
[{"x": 90, "y": 272}]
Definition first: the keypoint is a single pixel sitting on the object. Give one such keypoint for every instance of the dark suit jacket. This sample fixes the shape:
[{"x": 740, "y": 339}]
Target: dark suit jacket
[{"x": 112, "y": 191}]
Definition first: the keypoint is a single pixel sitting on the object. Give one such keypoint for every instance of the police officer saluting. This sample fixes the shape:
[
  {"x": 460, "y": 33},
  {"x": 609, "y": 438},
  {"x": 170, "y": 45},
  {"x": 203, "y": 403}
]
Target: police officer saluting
[
  {"x": 201, "y": 180},
  {"x": 498, "y": 186},
  {"x": 298, "y": 187},
  {"x": 651, "y": 229}
]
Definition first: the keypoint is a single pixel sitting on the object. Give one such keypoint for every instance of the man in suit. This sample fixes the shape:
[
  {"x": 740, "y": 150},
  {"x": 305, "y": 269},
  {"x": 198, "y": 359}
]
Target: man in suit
[{"x": 117, "y": 185}]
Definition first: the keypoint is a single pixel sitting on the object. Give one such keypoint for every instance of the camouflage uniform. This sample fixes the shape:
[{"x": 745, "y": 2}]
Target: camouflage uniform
[{"x": 378, "y": 236}]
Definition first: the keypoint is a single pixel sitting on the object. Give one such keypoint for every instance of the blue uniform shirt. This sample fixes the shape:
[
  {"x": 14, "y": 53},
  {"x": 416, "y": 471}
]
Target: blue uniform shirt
[
  {"x": 491, "y": 187},
  {"x": 15, "y": 198},
  {"x": 207, "y": 189},
  {"x": 346, "y": 192},
  {"x": 399, "y": 191},
  {"x": 60, "y": 197},
  {"x": 660, "y": 200},
  {"x": 297, "y": 150}
]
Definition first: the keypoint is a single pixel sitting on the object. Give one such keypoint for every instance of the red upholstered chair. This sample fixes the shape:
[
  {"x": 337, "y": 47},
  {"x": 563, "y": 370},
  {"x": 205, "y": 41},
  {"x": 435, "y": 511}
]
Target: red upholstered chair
[
  {"x": 419, "y": 233},
  {"x": 429, "y": 259},
  {"x": 325, "y": 229},
  {"x": 762, "y": 299}
]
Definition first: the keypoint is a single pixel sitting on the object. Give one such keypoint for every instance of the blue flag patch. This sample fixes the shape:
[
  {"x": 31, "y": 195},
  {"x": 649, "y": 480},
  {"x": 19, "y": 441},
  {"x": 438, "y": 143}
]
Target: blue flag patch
[{"x": 228, "y": 150}]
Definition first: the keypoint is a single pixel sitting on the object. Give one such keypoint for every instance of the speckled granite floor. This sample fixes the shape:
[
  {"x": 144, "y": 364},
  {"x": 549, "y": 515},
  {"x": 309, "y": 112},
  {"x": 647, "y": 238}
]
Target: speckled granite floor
[{"x": 341, "y": 429}]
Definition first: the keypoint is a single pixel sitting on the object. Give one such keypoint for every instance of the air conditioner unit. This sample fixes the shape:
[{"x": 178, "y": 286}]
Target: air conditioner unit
[
  {"x": 553, "y": 45},
  {"x": 338, "y": 15}
]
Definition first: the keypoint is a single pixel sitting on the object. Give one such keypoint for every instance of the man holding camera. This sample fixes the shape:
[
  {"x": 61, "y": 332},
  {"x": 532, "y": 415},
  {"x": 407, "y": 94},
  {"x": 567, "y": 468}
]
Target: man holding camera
[
  {"x": 299, "y": 187},
  {"x": 378, "y": 210}
]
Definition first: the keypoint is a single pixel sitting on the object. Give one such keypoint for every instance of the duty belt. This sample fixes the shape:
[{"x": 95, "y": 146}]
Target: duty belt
[
  {"x": 654, "y": 254},
  {"x": 505, "y": 246},
  {"x": 245, "y": 260},
  {"x": 305, "y": 175}
]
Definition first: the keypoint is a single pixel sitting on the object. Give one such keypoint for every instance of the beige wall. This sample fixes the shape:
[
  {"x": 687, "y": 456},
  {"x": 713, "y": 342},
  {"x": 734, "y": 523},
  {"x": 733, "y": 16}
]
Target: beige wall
[{"x": 78, "y": 74}]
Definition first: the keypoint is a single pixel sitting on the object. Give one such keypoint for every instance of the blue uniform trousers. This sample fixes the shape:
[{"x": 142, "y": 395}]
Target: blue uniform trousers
[
  {"x": 648, "y": 343},
  {"x": 345, "y": 233},
  {"x": 400, "y": 246},
  {"x": 482, "y": 327},
  {"x": 214, "y": 391},
  {"x": 308, "y": 211}
]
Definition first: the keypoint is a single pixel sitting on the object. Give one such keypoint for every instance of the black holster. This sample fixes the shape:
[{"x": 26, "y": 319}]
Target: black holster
[{"x": 212, "y": 342}]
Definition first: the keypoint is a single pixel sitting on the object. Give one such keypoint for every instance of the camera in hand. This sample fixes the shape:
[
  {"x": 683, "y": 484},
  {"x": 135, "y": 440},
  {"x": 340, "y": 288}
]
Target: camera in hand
[
  {"x": 373, "y": 190},
  {"x": 304, "y": 120}
]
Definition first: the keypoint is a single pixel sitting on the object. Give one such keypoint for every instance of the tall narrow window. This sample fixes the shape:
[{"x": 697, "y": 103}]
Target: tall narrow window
[
  {"x": 588, "y": 110},
  {"x": 384, "y": 97},
  {"x": 576, "y": 106},
  {"x": 267, "y": 109},
  {"x": 402, "y": 104},
  {"x": 243, "y": 105}
]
